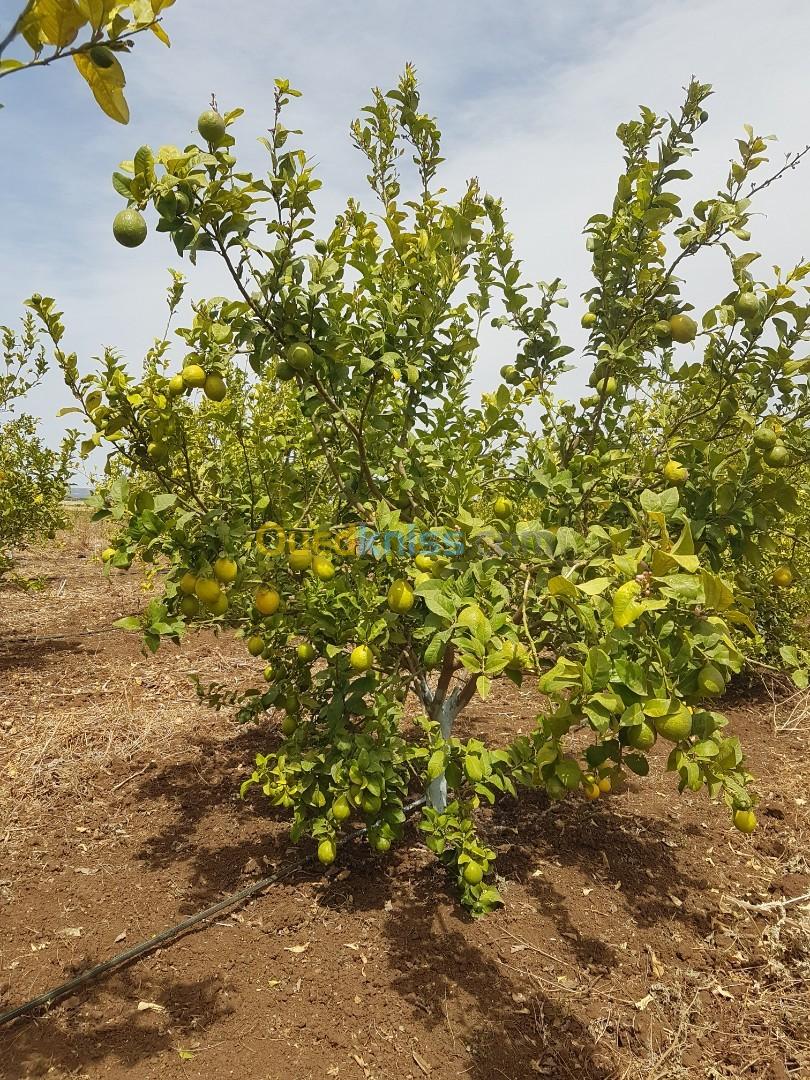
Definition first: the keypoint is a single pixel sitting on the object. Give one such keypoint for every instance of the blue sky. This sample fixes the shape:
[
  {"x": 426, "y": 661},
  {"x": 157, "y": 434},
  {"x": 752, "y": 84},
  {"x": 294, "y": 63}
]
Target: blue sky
[{"x": 528, "y": 95}]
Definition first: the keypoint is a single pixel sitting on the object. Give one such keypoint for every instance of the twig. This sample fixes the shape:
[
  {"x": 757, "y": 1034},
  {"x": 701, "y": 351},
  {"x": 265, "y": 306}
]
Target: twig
[
  {"x": 132, "y": 776},
  {"x": 773, "y": 905}
]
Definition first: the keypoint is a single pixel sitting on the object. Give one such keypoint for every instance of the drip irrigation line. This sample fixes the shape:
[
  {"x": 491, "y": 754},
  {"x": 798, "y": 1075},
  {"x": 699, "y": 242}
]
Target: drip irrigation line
[
  {"x": 8, "y": 645},
  {"x": 44, "y": 1001}
]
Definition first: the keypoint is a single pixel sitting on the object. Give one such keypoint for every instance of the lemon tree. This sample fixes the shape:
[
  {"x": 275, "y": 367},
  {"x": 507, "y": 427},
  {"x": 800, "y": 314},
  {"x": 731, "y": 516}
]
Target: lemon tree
[
  {"x": 33, "y": 477},
  {"x": 308, "y": 463},
  {"x": 96, "y": 34}
]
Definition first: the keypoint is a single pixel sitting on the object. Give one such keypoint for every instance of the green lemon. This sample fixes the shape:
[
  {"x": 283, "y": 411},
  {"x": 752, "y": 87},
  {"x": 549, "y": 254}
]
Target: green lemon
[
  {"x": 129, "y": 228},
  {"x": 683, "y": 329},
  {"x": 211, "y": 126}
]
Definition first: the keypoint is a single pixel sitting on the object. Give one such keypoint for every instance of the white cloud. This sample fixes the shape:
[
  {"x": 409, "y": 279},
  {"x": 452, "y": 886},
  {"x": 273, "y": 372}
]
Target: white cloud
[{"x": 529, "y": 95}]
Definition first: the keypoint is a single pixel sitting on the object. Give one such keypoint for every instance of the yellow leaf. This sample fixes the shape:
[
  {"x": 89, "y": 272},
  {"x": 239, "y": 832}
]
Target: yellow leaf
[
  {"x": 161, "y": 34},
  {"x": 107, "y": 86},
  {"x": 626, "y": 608},
  {"x": 58, "y": 21},
  {"x": 562, "y": 586}
]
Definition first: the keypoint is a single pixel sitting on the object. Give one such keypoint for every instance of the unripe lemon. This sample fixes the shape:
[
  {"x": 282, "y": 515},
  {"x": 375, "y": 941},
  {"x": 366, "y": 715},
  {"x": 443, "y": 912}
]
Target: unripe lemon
[
  {"x": 745, "y": 820},
  {"x": 710, "y": 680},
  {"x": 306, "y": 652},
  {"x": 107, "y": 554},
  {"x": 676, "y": 727},
  {"x": 473, "y": 874},
  {"x": 208, "y": 591},
  {"x": 211, "y": 126},
  {"x": 642, "y": 737},
  {"x": 675, "y": 473},
  {"x": 326, "y": 852},
  {"x": 289, "y": 725},
  {"x": 300, "y": 559},
  {"x": 381, "y": 844},
  {"x": 765, "y": 437},
  {"x": 269, "y": 673},
  {"x": 187, "y": 583},
  {"x": 267, "y": 600},
  {"x": 555, "y": 788},
  {"x": 129, "y": 228},
  {"x": 401, "y": 597},
  {"x": 502, "y": 507},
  {"x": 588, "y": 319},
  {"x": 190, "y": 606},
  {"x": 193, "y": 376},
  {"x": 214, "y": 388},
  {"x": 778, "y": 457},
  {"x": 747, "y": 305},
  {"x": 782, "y": 577},
  {"x": 361, "y": 658},
  {"x": 300, "y": 356},
  {"x": 683, "y": 329},
  {"x": 225, "y": 570},
  {"x": 323, "y": 568},
  {"x": 424, "y": 563},
  {"x": 341, "y": 809},
  {"x": 607, "y": 387},
  {"x": 662, "y": 329},
  {"x": 255, "y": 645},
  {"x": 176, "y": 386},
  {"x": 220, "y": 606}
]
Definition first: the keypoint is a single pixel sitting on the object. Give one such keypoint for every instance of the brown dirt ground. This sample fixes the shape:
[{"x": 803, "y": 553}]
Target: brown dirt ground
[{"x": 621, "y": 952}]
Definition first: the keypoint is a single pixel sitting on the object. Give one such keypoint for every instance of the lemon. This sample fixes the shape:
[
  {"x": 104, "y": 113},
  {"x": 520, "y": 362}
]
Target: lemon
[
  {"x": 255, "y": 645},
  {"x": 503, "y": 507},
  {"x": 747, "y": 305},
  {"x": 208, "y": 591},
  {"x": 214, "y": 388},
  {"x": 267, "y": 600},
  {"x": 642, "y": 737},
  {"x": 683, "y": 329},
  {"x": 193, "y": 376},
  {"x": 129, "y": 228},
  {"x": 306, "y": 652},
  {"x": 220, "y": 606},
  {"x": 187, "y": 583},
  {"x": 710, "y": 680},
  {"x": 323, "y": 568},
  {"x": 676, "y": 726},
  {"x": 782, "y": 577},
  {"x": 473, "y": 874},
  {"x": 300, "y": 559},
  {"x": 745, "y": 820},
  {"x": 326, "y": 852},
  {"x": 211, "y": 126},
  {"x": 341, "y": 809},
  {"x": 300, "y": 356},
  {"x": 190, "y": 606},
  {"x": 225, "y": 570},
  {"x": 361, "y": 658},
  {"x": 675, "y": 473},
  {"x": 588, "y": 320},
  {"x": 401, "y": 597},
  {"x": 176, "y": 386},
  {"x": 289, "y": 725}
]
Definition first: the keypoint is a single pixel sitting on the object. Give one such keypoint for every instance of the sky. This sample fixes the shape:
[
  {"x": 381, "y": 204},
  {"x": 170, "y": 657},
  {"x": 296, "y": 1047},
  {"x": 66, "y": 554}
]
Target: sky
[{"x": 528, "y": 94}]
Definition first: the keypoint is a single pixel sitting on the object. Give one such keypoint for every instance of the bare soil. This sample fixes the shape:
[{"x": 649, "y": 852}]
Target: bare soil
[{"x": 622, "y": 951}]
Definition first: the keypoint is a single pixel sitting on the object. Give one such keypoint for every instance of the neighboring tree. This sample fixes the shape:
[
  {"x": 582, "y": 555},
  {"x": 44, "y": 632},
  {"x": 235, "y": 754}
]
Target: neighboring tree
[
  {"x": 33, "y": 478},
  {"x": 96, "y": 33},
  {"x": 430, "y": 545}
]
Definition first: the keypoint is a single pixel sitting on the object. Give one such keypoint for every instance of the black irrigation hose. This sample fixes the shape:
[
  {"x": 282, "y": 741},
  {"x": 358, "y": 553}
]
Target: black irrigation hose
[
  {"x": 59, "y": 992},
  {"x": 8, "y": 645}
]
